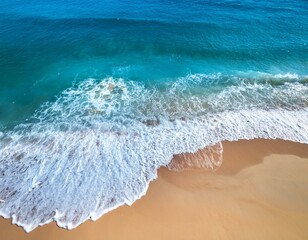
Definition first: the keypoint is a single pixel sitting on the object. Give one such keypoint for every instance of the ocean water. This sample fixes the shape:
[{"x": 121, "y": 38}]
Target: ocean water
[{"x": 95, "y": 96}]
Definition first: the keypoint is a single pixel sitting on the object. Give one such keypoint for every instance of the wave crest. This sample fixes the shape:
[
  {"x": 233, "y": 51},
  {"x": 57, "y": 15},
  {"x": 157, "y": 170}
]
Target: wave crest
[{"x": 101, "y": 142}]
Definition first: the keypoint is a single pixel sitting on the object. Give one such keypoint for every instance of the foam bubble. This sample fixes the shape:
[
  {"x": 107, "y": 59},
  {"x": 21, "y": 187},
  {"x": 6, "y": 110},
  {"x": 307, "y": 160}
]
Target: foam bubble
[
  {"x": 100, "y": 143},
  {"x": 267, "y": 76}
]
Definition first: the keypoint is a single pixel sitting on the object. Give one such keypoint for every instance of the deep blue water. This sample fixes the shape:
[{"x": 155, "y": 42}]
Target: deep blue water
[
  {"x": 44, "y": 47},
  {"x": 102, "y": 93}
]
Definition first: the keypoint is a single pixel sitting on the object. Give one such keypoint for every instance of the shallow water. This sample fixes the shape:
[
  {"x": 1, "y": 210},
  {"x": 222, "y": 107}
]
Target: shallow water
[{"x": 96, "y": 96}]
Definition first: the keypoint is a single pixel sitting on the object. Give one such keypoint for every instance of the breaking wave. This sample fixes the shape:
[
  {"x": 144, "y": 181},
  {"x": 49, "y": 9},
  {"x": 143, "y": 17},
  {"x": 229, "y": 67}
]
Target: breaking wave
[{"x": 100, "y": 143}]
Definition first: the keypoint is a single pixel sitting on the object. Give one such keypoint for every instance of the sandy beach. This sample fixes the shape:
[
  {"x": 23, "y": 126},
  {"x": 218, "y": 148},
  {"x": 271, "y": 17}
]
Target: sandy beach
[{"x": 259, "y": 192}]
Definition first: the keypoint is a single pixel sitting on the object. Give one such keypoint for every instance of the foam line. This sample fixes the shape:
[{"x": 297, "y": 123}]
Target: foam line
[{"x": 99, "y": 144}]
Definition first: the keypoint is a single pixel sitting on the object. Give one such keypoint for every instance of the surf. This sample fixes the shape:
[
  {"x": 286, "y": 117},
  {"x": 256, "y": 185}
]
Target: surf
[{"x": 100, "y": 143}]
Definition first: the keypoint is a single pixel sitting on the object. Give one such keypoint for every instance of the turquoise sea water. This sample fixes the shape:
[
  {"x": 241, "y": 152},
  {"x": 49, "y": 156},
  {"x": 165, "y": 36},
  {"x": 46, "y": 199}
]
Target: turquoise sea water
[{"x": 95, "y": 96}]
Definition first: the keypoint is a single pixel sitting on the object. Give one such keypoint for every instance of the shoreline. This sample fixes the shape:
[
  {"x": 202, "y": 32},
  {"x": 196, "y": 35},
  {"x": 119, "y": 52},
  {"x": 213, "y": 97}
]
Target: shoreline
[{"x": 259, "y": 192}]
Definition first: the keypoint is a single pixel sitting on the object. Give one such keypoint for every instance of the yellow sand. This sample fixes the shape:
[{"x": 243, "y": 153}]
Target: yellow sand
[{"x": 260, "y": 192}]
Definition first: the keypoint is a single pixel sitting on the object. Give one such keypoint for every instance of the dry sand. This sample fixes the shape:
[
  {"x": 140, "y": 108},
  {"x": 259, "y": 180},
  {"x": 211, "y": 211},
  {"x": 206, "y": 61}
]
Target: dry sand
[{"x": 259, "y": 192}]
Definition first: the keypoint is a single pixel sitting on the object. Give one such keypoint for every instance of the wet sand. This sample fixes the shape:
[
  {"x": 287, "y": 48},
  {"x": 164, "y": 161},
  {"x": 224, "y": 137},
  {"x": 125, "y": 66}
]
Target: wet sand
[{"x": 259, "y": 192}]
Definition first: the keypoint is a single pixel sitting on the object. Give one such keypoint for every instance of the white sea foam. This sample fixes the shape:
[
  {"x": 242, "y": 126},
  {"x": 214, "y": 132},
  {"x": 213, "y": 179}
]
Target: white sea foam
[
  {"x": 264, "y": 75},
  {"x": 100, "y": 143}
]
